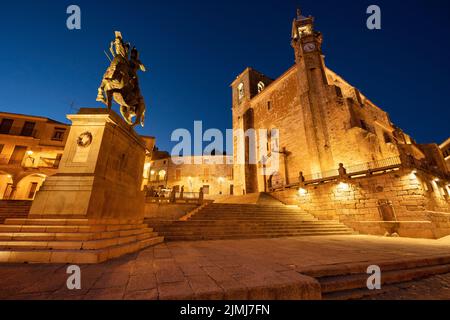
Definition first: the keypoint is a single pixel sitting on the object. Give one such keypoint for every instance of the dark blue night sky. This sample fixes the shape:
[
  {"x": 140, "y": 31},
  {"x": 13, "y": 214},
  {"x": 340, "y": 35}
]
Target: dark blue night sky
[{"x": 194, "y": 49}]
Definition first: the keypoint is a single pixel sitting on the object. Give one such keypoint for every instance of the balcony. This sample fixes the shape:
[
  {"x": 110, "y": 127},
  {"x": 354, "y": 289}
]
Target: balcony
[
  {"x": 50, "y": 163},
  {"x": 29, "y": 163},
  {"x": 21, "y": 132}
]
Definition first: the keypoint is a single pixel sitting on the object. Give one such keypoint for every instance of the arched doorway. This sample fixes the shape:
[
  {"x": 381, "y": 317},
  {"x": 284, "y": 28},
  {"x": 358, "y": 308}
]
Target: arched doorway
[
  {"x": 276, "y": 181},
  {"x": 29, "y": 186}
]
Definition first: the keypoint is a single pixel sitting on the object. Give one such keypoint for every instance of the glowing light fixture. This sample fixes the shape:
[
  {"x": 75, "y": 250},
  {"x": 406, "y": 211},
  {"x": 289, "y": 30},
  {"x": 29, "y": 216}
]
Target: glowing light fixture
[
  {"x": 29, "y": 152},
  {"x": 302, "y": 192},
  {"x": 344, "y": 186}
]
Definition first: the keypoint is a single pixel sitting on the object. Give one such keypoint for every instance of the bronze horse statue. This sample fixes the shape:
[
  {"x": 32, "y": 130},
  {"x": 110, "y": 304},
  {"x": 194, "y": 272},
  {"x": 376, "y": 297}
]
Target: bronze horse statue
[{"x": 121, "y": 84}]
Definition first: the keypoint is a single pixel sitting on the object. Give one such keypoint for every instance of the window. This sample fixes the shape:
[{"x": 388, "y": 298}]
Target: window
[
  {"x": 33, "y": 189},
  {"x": 162, "y": 175},
  {"x": 28, "y": 129},
  {"x": 5, "y": 126},
  {"x": 261, "y": 86},
  {"x": 241, "y": 92},
  {"x": 339, "y": 92},
  {"x": 364, "y": 125},
  {"x": 18, "y": 155},
  {"x": 8, "y": 191},
  {"x": 446, "y": 153},
  {"x": 57, "y": 161},
  {"x": 269, "y": 105},
  {"x": 59, "y": 133}
]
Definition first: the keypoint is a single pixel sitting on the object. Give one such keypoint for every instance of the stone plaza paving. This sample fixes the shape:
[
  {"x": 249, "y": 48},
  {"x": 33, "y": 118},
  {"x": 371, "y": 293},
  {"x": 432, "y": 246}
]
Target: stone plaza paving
[{"x": 231, "y": 269}]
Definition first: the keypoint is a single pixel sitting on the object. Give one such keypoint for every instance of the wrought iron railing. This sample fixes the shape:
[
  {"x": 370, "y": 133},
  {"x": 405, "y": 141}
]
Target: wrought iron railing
[
  {"x": 52, "y": 163},
  {"x": 366, "y": 168},
  {"x": 374, "y": 165},
  {"x": 321, "y": 175}
]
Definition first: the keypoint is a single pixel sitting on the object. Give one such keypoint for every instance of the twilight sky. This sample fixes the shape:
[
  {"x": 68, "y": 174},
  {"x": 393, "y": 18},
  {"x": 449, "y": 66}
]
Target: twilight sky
[{"x": 194, "y": 49}]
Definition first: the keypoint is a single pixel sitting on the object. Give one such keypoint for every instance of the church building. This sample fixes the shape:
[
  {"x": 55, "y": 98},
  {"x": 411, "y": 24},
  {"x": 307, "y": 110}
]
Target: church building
[{"x": 323, "y": 121}]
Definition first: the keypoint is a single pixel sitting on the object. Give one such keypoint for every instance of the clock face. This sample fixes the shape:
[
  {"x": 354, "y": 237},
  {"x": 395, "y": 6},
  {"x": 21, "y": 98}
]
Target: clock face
[
  {"x": 309, "y": 47},
  {"x": 305, "y": 30}
]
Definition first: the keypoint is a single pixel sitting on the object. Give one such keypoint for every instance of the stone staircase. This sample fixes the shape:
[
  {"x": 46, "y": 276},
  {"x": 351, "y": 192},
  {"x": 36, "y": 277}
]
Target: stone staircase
[
  {"x": 267, "y": 218},
  {"x": 14, "y": 209},
  {"x": 349, "y": 281},
  {"x": 72, "y": 240}
]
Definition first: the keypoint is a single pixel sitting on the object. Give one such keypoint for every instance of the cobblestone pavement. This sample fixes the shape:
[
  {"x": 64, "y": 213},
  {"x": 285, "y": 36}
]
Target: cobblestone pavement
[
  {"x": 433, "y": 288},
  {"x": 231, "y": 269}
]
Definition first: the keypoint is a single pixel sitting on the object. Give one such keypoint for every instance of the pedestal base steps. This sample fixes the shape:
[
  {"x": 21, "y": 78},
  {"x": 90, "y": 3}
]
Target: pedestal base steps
[{"x": 82, "y": 241}]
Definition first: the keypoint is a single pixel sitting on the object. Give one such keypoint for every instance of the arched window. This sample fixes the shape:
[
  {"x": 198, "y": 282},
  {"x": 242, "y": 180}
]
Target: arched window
[
  {"x": 241, "y": 92},
  {"x": 387, "y": 137},
  {"x": 162, "y": 175},
  {"x": 261, "y": 86}
]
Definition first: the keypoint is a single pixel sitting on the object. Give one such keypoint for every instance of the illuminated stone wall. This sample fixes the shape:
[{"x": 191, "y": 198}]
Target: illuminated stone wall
[
  {"x": 321, "y": 118},
  {"x": 213, "y": 172},
  {"x": 411, "y": 195}
]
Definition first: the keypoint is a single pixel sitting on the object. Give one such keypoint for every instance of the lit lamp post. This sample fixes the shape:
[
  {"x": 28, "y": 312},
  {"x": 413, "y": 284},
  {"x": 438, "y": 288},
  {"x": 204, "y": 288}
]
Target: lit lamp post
[{"x": 29, "y": 157}]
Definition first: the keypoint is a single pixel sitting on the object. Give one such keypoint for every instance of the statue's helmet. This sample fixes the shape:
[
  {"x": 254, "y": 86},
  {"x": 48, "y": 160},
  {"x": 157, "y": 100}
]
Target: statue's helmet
[{"x": 121, "y": 48}]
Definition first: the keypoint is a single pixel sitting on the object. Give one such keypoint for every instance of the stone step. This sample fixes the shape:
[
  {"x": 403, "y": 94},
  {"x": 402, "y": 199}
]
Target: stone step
[
  {"x": 259, "y": 212},
  {"x": 343, "y": 281},
  {"x": 67, "y": 229},
  {"x": 355, "y": 286},
  {"x": 250, "y": 227},
  {"x": 253, "y": 215},
  {"x": 69, "y": 222},
  {"x": 201, "y": 223},
  {"x": 253, "y": 236},
  {"x": 244, "y": 219},
  {"x": 76, "y": 256},
  {"x": 74, "y": 245},
  {"x": 69, "y": 236},
  {"x": 168, "y": 232}
]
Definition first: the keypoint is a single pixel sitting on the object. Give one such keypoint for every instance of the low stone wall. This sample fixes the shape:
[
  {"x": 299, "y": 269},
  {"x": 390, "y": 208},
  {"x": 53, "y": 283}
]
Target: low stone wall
[{"x": 413, "y": 196}]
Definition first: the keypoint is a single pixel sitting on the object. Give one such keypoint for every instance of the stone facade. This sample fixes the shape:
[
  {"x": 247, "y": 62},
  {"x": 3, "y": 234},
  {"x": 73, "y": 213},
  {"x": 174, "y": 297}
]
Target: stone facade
[
  {"x": 412, "y": 197},
  {"x": 445, "y": 148},
  {"x": 100, "y": 176},
  {"x": 212, "y": 173},
  {"x": 31, "y": 148},
  {"x": 321, "y": 118}
]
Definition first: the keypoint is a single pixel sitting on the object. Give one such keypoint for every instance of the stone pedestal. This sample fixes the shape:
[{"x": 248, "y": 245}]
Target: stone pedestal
[
  {"x": 92, "y": 209},
  {"x": 100, "y": 174}
]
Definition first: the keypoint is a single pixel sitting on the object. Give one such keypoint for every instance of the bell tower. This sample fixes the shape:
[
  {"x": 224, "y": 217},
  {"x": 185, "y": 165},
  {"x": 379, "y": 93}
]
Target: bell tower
[{"x": 314, "y": 89}]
